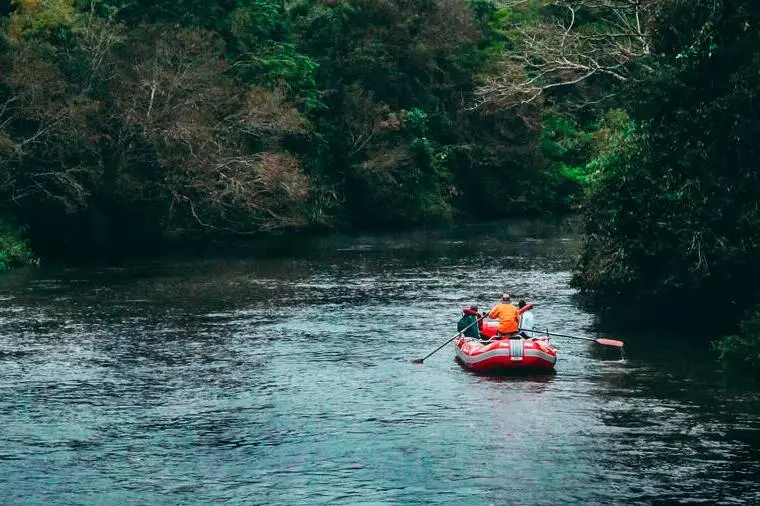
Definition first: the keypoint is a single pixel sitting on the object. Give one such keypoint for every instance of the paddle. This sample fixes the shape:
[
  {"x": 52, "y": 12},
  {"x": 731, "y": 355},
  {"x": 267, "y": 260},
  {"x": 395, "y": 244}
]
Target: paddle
[
  {"x": 421, "y": 360},
  {"x": 606, "y": 342}
]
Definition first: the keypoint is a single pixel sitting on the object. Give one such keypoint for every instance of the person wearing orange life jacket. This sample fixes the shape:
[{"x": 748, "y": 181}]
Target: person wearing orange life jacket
[{"x": 509, "y": 319}]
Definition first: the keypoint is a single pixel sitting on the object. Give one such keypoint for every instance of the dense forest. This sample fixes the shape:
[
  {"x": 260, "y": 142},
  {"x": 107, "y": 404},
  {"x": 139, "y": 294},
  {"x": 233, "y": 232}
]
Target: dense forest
[{"x": 127, "y": 123}]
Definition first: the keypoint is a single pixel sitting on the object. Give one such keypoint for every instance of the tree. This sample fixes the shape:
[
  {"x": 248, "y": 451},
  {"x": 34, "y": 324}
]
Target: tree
[
  {"x": 29, "y": 17},
  {"x": 143, "y": 130},
  {"x": 204, "y": 129},
  {"x": 563, "y": 43},
  {"x": 673, "y": 214}
]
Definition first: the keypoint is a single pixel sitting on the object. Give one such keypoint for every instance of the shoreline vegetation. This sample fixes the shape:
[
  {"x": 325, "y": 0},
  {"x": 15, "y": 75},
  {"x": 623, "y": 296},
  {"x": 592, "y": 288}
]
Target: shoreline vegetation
[
  {"x": 128, "y": 124},
  {"x": 14, "y": 250}
]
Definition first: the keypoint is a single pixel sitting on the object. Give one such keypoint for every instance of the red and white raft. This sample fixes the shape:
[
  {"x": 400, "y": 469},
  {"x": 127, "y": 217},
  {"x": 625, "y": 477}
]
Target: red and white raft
[{"x": 506, "y": 355}]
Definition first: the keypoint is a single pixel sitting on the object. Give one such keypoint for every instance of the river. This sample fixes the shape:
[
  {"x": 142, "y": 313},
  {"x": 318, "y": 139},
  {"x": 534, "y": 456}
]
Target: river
[{"x": 282, "y": 375}]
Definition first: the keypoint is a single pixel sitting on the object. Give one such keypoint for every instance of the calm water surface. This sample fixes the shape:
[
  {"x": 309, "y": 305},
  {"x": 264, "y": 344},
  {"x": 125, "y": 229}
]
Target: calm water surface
[{"x": 282, "y": 376}]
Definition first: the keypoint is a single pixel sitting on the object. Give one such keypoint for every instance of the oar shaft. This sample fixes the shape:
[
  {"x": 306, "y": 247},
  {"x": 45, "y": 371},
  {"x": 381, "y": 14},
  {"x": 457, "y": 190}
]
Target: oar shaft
[
  {"x": 608, "y": 342},
  {"x": 452, "y": 338},
  {"x": 560, "y": 335}
]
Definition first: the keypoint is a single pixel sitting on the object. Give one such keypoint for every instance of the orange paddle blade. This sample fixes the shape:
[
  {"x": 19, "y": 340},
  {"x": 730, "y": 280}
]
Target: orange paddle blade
[{"x": 610, "y": 342}]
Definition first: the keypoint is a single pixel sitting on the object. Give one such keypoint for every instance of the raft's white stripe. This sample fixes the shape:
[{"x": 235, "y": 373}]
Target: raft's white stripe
[
  {"x": 516, "y": 349},
  {"x": 501, "y": 352},
  {"x": 542, "y": 355}
]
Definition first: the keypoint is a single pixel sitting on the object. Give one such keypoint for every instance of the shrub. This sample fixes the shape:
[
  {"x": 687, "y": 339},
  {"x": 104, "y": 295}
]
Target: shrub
[
  {"x": 742, "y": 351},
  {"x": 14, "y": 251}
]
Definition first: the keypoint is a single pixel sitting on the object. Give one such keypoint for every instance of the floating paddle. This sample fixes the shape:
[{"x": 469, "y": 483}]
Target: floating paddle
[
  {"x": 477, "y": 319},
  {"x": 606, "y": 342}
]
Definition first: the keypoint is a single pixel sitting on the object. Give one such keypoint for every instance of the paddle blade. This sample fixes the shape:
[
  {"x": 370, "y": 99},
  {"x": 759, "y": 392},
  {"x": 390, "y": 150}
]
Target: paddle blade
[
  {"x": 417, "y": 361},
  {"x": 610, "y": 342}
]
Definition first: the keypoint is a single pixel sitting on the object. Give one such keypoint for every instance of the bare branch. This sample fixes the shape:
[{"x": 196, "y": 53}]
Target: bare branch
[{"x": 611, "y": 41}]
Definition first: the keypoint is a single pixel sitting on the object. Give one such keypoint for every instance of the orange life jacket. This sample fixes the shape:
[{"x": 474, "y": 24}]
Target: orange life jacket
[{"x": 509, "y": 319}]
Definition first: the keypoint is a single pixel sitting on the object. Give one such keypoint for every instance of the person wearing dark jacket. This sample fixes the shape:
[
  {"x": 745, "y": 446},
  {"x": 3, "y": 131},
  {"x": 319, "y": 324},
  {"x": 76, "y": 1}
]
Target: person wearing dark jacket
[{"x": 467, "y": 322}]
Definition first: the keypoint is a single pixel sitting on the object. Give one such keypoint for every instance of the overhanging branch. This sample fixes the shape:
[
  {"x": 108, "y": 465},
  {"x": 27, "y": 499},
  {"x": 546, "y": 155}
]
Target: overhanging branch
[{"x": 575, "y": 40}]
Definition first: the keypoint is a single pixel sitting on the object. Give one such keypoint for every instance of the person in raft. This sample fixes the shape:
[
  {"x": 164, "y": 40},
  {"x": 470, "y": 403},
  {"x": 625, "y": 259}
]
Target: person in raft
[
  {"x": 527, "y": 321},
  {"x": 467, "y": 322},
  {"x": 509, "y": 320}
]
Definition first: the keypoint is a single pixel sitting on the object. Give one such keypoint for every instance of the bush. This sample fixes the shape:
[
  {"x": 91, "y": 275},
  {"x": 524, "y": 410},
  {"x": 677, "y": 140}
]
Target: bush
[
  {"x": 14, "y": 251},
  {"x": 742, "y": 351}
]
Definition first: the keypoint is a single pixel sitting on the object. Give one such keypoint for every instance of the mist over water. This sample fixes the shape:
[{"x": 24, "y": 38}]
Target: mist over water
[{"x": 282, "y": 375}]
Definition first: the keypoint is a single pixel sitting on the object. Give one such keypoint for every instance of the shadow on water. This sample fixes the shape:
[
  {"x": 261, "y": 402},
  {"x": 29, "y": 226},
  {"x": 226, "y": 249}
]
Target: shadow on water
[{"x": 526, "y": 382}]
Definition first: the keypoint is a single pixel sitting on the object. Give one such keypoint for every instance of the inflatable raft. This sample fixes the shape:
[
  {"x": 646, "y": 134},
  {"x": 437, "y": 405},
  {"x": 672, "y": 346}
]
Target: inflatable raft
[{"x": 505, "y": 355}]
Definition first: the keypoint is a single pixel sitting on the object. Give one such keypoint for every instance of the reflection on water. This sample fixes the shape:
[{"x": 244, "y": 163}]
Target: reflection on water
[{"x": 281, "y": 374}]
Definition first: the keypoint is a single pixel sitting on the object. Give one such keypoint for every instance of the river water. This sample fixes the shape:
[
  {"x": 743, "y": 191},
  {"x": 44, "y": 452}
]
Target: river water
[{"x": 282, "y": 375}]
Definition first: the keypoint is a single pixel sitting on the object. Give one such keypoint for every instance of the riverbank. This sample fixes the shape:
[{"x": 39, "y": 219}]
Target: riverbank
[{"x": 291, "y": 242}]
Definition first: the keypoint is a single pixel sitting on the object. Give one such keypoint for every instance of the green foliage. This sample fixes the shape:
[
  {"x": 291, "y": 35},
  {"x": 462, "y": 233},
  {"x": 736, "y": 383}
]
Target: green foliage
[
  {"x": 612, "y": 138},
  {"x": 576, "y": 154},
  {"x": 125, "y": 121},
  {"x": 281, "y": 65},
  {"x": 14, "y": 251},
  {"x": 208, "y": 14},
  {"x": 673, "y": 214},
  {"x": 259, "y": 22},
  {"x": 416, "y": 121},
  {"x": 34, "y": 17},
  {"x": 494, "y": 22},
  {"x": 267, "y": 54},
  {"x": 414, "y": 67},
  {"x": 568, "y": 148},
  {"x": 741, "y": 352},
  {"x": 122, "y": 135}
]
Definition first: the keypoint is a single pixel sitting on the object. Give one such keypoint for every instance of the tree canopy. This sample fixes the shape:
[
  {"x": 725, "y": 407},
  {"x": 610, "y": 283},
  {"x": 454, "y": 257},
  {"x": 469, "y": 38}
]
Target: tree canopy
[{"x": 125, "y": 121}]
